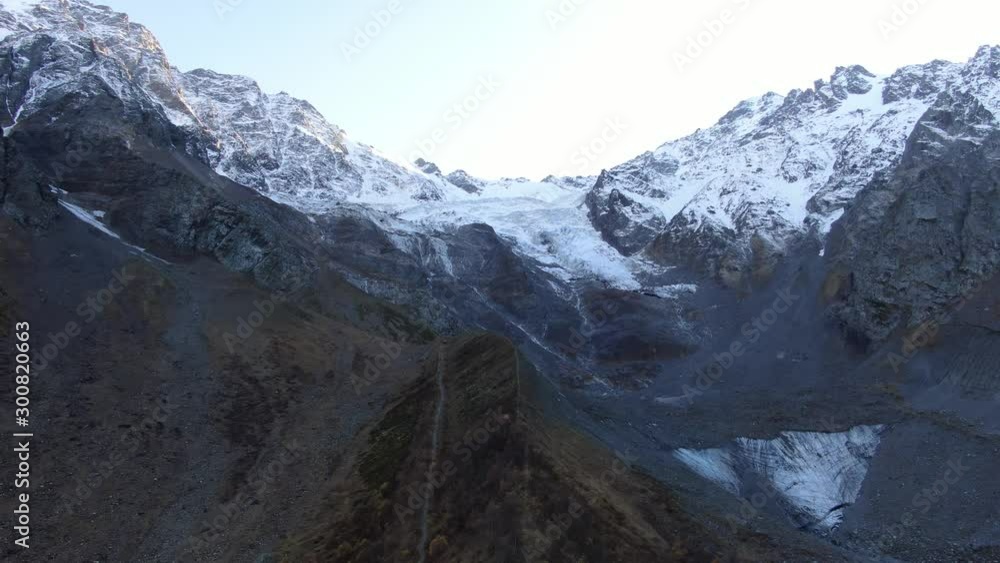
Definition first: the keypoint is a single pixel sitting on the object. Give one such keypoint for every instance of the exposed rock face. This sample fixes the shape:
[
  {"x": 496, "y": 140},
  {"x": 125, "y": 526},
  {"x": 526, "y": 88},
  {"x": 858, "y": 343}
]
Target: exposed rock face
[
  {"x": 623, "y": 222},
  {"x": 428, "y": 167},
  {"x": 943, "y": 194},
  {"x": 463, "y": 180},
  {"x": 99, "y": 136},
  {"x": 774, "y": 171},
  {"x": 171, "y": 206},
  {"x": 24, "y": 195},
  {"x": 470, "y": 271},
  {"x": 109, "y": 152},
  {"x": 849, "y": 80},
  {"x": 780, "y": 169},
  {"x": 282, "y": 145},
  {"x": 274, "y": 143},
  {"x": 573, "y": 182}
]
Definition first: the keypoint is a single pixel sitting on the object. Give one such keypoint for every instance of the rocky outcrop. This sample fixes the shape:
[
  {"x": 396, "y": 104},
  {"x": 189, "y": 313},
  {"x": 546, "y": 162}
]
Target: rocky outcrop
[
  {"x": 944, "y": 194},
  {"x": 464, "y": 180},
  {"x": 778, "y": 170},
  {"x": 283, "y": 146},
  {"x": 111, "y": 156},
  {"x": 274, "y": 143},
  {"x": 24, "y": 194},
  {"x": 116, "y": 156},
  {"x": 625, "y": 223}
]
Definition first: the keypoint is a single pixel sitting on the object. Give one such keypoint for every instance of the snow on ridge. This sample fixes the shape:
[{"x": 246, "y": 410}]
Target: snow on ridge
[
  {"x": 774, "y": 165},
  {"x": 274, "y": 143},
  {"x": 556, "y": 233},
  {"x": 105, "y": 45},
  {"x": 761, "y": 167},
  {"x": 18, "y": 7}
]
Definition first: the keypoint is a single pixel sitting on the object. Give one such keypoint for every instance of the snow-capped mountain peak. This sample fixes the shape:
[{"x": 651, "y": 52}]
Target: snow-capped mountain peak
[
  {"x": 773, "y": 171},
  {"x": 275, "y": 143},
  {"x": 775, "y": 168}
]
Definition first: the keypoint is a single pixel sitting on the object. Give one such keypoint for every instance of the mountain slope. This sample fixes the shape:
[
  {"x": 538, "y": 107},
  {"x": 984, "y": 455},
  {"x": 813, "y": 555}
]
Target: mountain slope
[
  {"x": 779, "y": 169},
  {"x": 274, "y": 143},
  {"x": 728, "y": 201},
  {"x": 311, "y": 299}
]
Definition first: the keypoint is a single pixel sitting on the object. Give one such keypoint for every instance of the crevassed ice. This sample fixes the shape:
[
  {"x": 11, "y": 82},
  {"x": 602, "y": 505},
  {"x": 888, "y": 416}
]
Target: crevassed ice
[{"x": 817, "y": 474}]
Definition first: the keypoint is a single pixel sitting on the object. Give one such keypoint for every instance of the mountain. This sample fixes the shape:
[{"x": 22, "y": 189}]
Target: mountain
[
  {"x": 942, "y": 193},
  {"x": 776, "y": 169},
  {"x": 274, "y": 143},
  {"x": 260, "y": 340}
]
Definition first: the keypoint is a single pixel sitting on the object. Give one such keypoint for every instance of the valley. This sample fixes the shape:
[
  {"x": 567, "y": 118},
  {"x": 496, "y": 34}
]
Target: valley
[{"x": 692, "y": 356}]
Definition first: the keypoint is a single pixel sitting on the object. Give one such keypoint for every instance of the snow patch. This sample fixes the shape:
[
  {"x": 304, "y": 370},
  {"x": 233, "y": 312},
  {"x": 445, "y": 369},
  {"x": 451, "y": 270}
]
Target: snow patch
[
  {"x": 817, "y": 474},
  {"x": 555, "y": 232},
  {"x": 675, "y": 291},
  {"x": 93, "y": 218}
]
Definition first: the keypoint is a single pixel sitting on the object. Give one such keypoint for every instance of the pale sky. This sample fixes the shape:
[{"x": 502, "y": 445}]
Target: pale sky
[{"x": 540, "y": 85}]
